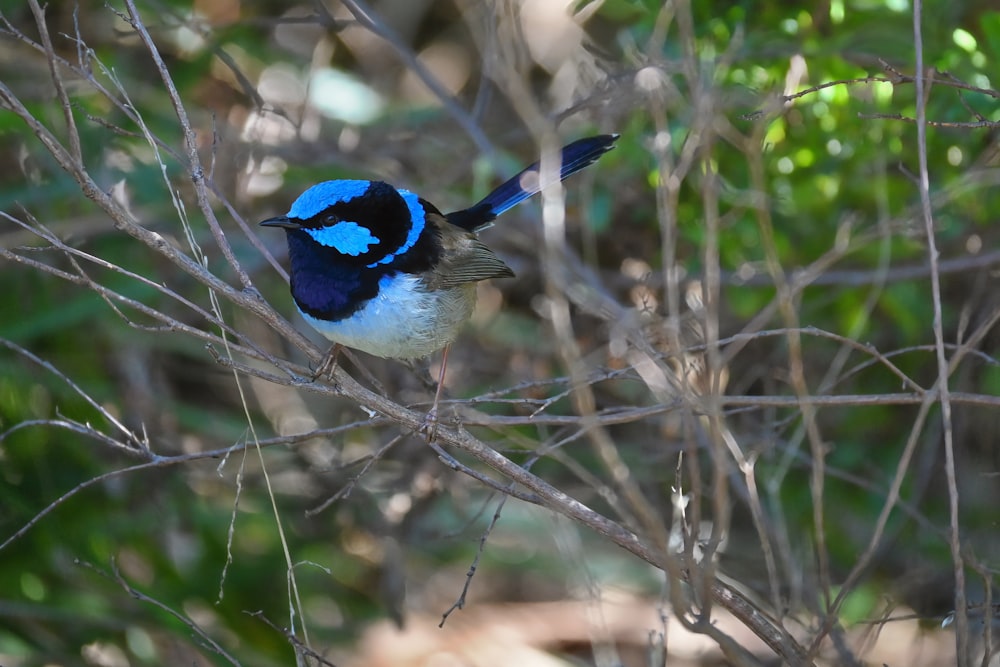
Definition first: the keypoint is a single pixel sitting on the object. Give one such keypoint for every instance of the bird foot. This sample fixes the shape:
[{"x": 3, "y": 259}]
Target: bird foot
[
  {"x": 328, "y": 365},
  {"x": 429, "y": 425}
]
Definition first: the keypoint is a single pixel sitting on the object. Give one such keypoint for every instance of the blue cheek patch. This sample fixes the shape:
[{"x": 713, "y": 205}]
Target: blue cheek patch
[
  {"x": 318, "y": 197},
  {"x": 417, "y": 221},
  {"x": 349, "y": 238}
]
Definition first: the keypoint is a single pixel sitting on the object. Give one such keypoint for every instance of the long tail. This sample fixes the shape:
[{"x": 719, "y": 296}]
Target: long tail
[{"x": 573, "y": 158}]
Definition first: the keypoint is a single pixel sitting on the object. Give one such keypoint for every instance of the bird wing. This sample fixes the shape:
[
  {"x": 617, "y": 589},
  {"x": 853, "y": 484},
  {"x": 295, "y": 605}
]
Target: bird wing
[{"x": 464, "y": 259}]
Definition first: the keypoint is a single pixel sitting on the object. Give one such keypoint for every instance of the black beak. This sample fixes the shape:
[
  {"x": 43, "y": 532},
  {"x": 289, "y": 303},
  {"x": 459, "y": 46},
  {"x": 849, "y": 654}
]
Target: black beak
[{"x": 281, "y": 221}]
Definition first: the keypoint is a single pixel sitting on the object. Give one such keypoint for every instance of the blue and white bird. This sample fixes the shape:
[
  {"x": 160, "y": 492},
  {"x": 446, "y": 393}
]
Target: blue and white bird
[{"x": 379, "y": 269}]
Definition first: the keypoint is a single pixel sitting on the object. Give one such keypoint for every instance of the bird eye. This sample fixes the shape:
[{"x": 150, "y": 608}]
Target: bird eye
[{"x": 330, "y": 219}]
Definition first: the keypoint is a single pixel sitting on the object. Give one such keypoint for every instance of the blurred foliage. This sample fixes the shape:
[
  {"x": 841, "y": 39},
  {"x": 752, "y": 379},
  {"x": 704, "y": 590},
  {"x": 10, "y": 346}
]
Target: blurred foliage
[{"x": 839, "y": 168}]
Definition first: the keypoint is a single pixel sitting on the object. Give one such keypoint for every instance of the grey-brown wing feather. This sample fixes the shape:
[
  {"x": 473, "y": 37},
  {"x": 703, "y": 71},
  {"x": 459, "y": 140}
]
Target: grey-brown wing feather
[{"x": 465, "y": 259}]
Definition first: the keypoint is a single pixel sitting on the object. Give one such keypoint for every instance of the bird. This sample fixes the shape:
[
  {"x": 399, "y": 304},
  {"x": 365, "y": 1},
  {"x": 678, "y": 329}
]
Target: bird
[{"x": 380, "y": 269}]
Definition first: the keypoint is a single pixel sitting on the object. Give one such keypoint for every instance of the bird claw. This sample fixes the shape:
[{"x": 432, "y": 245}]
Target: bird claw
[
  {"x": 328, "y": 365},
  {"x": 429, "y": 425}
]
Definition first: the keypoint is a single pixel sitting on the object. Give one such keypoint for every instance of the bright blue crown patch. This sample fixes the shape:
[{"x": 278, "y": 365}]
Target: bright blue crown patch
[
  {"x": 328, "y": 193},
  {"x": 346, "y": 237}
]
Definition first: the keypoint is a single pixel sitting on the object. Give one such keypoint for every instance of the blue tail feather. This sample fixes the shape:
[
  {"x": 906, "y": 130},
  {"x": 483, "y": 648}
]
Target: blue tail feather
[{"x": 573, "y": 158}]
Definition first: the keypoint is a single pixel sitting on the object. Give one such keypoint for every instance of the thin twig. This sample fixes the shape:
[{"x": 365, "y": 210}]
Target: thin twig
[
  {"x": 943, "y": 389},
  {"x": 116, "y": 574}
]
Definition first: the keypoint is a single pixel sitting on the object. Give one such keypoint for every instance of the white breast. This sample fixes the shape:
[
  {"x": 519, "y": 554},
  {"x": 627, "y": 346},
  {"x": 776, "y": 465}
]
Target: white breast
[{"x": 404, "y": 321}]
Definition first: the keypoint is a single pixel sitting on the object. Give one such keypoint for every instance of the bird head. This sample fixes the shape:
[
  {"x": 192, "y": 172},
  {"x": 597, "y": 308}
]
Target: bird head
[{"x": 366, "y": 223}]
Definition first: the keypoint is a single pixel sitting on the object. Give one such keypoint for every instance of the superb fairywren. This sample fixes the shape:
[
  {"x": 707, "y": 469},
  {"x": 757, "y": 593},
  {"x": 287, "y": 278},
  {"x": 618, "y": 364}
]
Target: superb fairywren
[{"x": 379, "y": 269}]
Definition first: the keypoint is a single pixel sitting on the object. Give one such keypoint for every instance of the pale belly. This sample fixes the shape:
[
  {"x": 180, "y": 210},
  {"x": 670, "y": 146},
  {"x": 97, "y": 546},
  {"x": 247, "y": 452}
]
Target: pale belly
[{"x": 404, "y": 321}]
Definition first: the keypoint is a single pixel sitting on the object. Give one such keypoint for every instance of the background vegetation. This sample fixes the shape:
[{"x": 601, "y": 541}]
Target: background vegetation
[{"x": 742, "y": 377}]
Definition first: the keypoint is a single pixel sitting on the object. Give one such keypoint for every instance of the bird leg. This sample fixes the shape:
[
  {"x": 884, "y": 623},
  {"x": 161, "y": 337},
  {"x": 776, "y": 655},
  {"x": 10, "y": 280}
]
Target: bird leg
[
  {"x": 328, "y": 364},
  {"x": 430, "y": 423}
]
